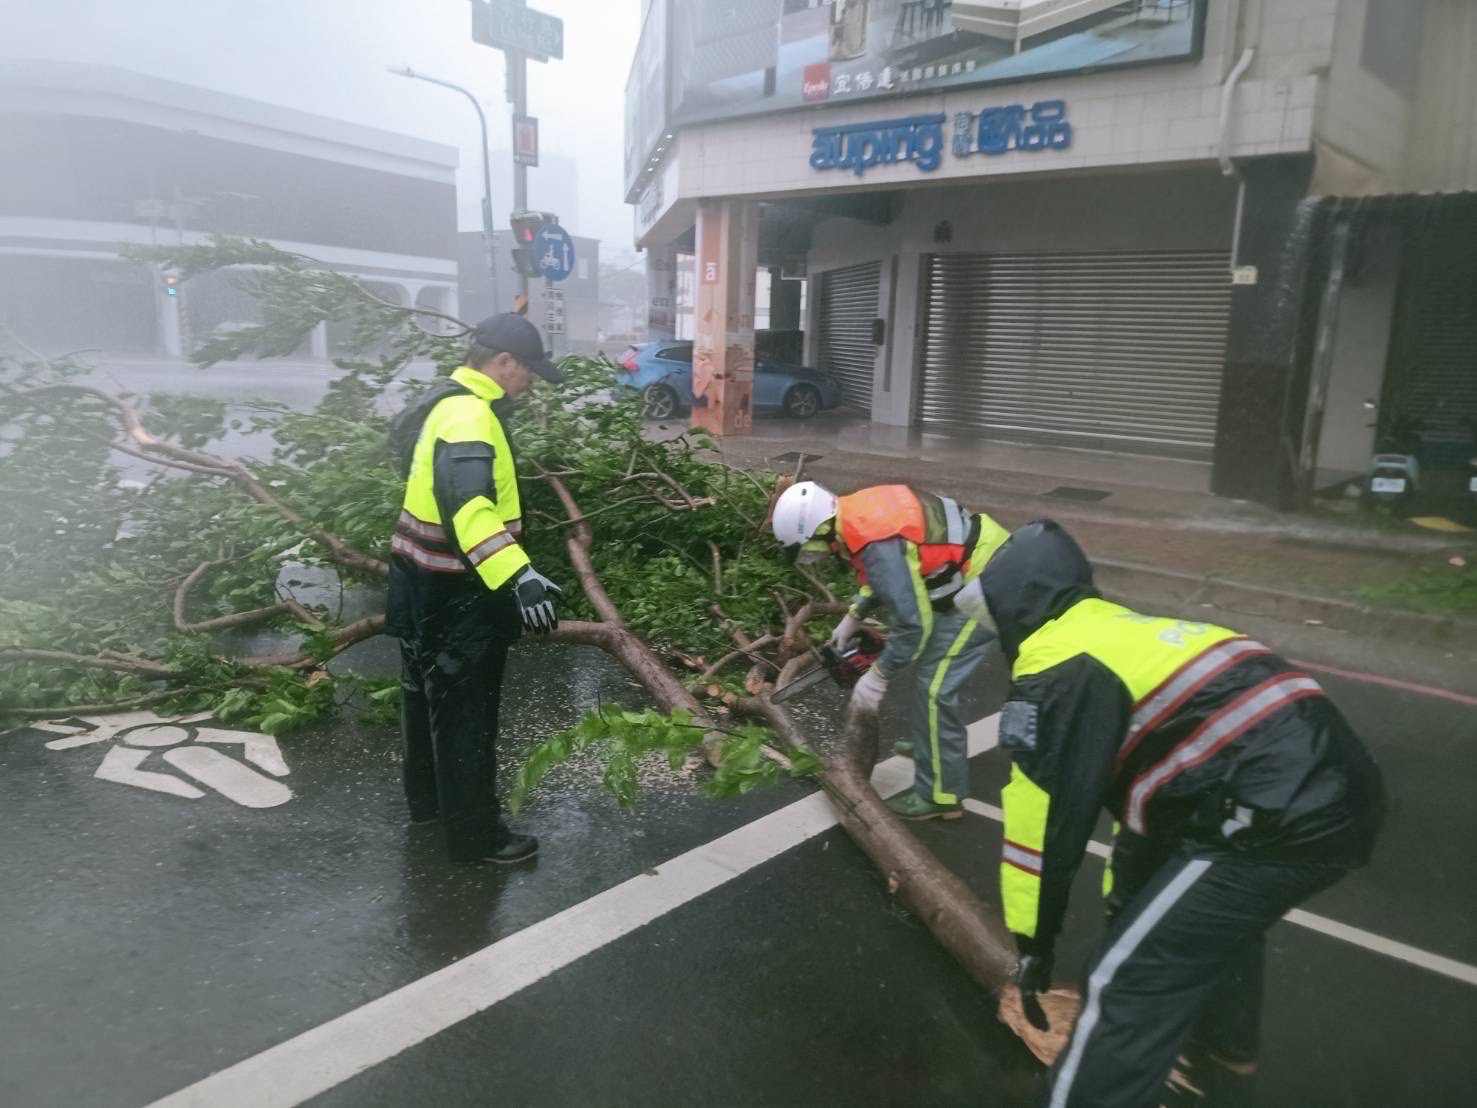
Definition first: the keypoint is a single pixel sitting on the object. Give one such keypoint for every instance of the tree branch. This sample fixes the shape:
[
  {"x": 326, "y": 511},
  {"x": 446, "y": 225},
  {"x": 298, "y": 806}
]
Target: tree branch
[
  {"x": 235, "y": 619},
  {"x": 117, "y": 663},
  {"x": 157, "y": 449},
  {"x": 342, "y": 639}
]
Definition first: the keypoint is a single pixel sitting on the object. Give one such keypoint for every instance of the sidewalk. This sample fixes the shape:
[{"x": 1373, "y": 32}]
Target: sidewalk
[{"x": 1137, "y": 517}]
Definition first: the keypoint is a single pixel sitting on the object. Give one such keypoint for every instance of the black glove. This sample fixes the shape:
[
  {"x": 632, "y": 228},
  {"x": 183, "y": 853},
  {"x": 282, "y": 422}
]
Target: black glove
[
  {"x": 1033, "y": 975},
  {"x": 536, "y": 594}
]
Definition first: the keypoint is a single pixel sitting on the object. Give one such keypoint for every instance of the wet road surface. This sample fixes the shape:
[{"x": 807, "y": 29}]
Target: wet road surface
[{"x": 151, "y": 940}]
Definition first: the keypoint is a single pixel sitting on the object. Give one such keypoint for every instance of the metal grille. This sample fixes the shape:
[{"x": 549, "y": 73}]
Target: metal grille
[
  {"x": 848, "y": 305},
  {"x": 1120, "y": 351},
  {"x": 1435, "y": 365}
]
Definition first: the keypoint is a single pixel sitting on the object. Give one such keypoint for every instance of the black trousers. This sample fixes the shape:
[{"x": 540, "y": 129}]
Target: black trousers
[
  {"x": 451, "y": 679},
  {"x": 1183, "y": 954}
]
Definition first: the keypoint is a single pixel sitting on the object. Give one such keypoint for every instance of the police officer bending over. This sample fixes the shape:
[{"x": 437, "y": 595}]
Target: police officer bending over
[
  {"x": 462, "y": 589},
  {"x": 1240, "y": 791}
]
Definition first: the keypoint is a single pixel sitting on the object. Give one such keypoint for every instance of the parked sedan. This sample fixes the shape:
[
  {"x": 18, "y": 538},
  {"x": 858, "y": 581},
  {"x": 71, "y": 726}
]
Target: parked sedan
[{"x": 662, "y": 372}]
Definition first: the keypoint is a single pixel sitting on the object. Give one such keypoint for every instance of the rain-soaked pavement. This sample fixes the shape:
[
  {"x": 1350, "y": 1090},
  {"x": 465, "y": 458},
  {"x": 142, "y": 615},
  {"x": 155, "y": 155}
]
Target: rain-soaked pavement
[{"x": 150, "y": 940}]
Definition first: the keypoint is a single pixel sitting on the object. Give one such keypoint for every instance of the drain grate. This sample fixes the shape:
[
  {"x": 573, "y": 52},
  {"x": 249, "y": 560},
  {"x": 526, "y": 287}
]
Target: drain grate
[
  {"x": 797, "y": 456},
  {"x": 1085, "y": 496}
]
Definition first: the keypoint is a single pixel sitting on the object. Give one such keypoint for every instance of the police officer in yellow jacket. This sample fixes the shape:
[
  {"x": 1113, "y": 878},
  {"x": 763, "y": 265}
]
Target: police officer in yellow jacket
[
  {"x": 1238, "y": 788},
  {"x": 912, "y": 551},
  {"x": 461, "y": 587}
]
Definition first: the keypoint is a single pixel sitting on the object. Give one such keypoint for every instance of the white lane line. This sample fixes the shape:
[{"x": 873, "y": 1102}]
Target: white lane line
[
  {"x": 1378, "y": 944},
  {"x": 331, "y": 1053}
]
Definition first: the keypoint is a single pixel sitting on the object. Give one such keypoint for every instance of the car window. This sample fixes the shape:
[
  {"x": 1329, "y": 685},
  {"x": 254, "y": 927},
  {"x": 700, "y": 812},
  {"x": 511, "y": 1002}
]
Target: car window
[{"x": 681, "y": 353}]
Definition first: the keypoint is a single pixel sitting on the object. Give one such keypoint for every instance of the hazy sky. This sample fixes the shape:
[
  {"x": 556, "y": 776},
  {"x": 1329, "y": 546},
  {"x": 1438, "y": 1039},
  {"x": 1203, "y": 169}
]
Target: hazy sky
[{"x": 329, "y": 57}]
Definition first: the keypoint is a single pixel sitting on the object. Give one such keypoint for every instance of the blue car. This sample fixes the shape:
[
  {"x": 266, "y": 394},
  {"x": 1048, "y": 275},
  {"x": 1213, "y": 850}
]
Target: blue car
[{"x": 662, "y": 373}]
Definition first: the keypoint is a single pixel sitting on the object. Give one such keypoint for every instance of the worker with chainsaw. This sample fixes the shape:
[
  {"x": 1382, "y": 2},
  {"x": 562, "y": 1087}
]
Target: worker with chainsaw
[
  {"x": 1238, "y": 788},
  {"x": 912, "y": 552}
]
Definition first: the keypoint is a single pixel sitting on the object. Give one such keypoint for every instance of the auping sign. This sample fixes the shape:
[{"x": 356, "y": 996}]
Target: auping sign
[{"x": 920, "y": 139}]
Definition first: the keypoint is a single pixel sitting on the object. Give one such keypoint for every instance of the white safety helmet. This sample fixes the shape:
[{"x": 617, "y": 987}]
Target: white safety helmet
[{"x": 800, "y": 511}]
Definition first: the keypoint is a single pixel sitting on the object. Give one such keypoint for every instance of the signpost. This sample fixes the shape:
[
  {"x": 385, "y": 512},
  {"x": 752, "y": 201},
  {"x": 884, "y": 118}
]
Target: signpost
[
  {"x": 525, "y": 140},
  {"x": 553, "y": 250},
  {"x": 520, "y": 33},
  {"x": 553, "y": 311},
  {"x": 508, "y": 25}
]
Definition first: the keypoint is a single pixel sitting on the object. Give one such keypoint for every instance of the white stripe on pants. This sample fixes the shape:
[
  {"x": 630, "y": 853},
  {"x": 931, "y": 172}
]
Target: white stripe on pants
[{"x": 1117, "y": 954}]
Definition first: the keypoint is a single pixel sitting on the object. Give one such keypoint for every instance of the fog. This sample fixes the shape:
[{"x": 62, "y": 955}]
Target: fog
[{"x": 329, "y": 57}]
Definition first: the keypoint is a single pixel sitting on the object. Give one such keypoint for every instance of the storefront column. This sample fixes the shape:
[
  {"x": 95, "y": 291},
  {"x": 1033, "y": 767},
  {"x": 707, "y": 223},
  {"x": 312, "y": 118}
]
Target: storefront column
[
  {"x": 661, "y": 292},
  {"x": 723, "y": 347},
  {"x": 1268, "y": 346}
]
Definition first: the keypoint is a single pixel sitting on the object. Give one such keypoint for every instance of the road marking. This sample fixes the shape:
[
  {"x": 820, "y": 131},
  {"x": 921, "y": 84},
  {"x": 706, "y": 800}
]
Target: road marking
[
  {"x": 230, "y": 778},
  {"x": 326, "y": 1056},
  {"x": 142, "y": 733},
  {"x": 1388, "y": 682},
  {"x": 121, "y": 764},
  {"x": 331, "y": 1053},
  {"x": 1378, "y": 944}
]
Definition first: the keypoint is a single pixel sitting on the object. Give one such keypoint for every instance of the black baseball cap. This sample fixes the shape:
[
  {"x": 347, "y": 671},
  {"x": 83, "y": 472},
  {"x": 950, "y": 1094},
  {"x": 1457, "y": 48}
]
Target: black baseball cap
[{"x": 510, "y": 333}]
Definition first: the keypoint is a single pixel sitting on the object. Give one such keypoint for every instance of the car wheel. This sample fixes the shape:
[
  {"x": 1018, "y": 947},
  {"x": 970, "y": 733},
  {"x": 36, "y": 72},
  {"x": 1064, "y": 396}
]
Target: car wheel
[
  {"x": 661, "y": 401},
  {"x": 802, "y": 402}
]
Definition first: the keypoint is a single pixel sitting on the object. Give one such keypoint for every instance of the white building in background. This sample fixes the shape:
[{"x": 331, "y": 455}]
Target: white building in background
[{"x": 97, "y": 157}]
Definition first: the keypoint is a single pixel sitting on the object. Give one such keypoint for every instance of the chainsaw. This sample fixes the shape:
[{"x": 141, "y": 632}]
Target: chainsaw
[{"x": 845, "y": 667}]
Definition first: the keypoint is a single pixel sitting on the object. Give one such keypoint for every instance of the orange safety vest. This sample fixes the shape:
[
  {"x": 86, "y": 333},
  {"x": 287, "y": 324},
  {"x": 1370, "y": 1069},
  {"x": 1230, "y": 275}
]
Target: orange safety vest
[{"x": 944, "y": 533}]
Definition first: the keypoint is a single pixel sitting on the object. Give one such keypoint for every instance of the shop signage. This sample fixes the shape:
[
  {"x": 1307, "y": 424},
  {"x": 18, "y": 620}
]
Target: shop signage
[
  {"x": 859, "y": 146},
  {"x": 995, "y": 131},
  {"x": 920, "y": 139}
]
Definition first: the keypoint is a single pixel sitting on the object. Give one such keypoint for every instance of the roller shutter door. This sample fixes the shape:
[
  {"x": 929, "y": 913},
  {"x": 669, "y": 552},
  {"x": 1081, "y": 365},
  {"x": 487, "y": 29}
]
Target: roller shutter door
[
  {"x": 1434, "y": 371},
  {"x": 848, "y": 305},
  {"x": 1118, "y": 351}
]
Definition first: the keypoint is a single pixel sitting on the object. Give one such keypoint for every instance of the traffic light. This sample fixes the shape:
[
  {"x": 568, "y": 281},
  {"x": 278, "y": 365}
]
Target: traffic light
[
  {"x": 171, "y": 284},
  {"x": 525, "y": 228}
]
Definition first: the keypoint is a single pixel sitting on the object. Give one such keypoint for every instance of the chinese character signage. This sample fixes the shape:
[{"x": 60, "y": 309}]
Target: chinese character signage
[
  {"x": 920, "y": 139},
  {"x": 731, "y": 58}
]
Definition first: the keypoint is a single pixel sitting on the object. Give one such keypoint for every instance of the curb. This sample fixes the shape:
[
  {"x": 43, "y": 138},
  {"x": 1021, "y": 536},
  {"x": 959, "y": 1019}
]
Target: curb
[{"x": 1132, "y": 579}]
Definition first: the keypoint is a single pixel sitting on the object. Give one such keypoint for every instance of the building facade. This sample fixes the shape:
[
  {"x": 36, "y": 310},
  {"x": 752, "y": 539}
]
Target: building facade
[
  {"x": 1111, "y": 226},
  {"x": 104, "y": 157}
]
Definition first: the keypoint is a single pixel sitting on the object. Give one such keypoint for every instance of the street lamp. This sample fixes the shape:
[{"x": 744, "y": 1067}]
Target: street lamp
[{"x": 406, "y": 71}]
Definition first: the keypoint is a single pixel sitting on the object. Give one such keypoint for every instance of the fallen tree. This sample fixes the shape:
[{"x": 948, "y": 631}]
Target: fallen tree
[{"x": 123, "y": 587}]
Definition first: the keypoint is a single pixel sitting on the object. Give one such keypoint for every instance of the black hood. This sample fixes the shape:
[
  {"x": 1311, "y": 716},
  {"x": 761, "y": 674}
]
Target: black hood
[{"x": 1033, "y": 578}]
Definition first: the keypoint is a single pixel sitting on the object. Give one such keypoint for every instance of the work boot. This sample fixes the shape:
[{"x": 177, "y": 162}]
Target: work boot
[
  {"x": 514, "y": 848},
  {"x": 910, "y": 805}
]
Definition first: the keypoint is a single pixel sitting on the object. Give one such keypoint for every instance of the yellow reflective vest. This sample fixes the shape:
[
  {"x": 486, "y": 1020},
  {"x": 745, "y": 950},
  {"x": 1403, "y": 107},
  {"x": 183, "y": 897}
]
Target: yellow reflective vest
[{"x": 461, "y": 512}]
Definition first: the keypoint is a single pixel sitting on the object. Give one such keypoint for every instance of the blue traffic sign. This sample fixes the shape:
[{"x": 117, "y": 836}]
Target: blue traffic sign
[{"x": 553, "y": 251}]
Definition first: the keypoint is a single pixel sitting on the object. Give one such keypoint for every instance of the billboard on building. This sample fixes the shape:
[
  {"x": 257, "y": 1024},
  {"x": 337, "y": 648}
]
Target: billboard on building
[
  {"x": 733, "y": 58},
  {"x": 646, "y": 96}
]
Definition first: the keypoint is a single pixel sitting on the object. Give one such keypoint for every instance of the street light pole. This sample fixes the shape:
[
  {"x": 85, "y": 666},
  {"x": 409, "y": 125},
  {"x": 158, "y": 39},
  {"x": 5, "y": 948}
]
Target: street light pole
[{"x": 487, "y": 234}]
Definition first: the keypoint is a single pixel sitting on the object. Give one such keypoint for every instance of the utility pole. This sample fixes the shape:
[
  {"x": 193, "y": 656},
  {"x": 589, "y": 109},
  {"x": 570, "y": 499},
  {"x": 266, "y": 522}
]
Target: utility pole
[
  {"x": 518, "y": 95},
  {"x": 487, "y": 235}
]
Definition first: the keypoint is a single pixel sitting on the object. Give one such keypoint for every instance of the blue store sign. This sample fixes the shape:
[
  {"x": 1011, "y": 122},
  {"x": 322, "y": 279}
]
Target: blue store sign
[{"x": 920, "y": 139}]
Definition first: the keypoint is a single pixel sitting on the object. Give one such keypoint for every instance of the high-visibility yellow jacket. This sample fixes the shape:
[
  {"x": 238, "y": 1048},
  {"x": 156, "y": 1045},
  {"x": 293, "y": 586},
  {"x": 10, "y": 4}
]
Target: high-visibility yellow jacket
[
  {"x": 461, "y": 517},
  {"x": 1188, "y": 733}
]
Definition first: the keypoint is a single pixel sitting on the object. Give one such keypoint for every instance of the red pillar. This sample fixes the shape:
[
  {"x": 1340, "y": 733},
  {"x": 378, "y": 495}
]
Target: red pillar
[{"x": 723, "y": 347}]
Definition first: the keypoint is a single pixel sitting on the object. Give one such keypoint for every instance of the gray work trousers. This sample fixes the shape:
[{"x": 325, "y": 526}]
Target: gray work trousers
[{"x": 954, "y": 650}]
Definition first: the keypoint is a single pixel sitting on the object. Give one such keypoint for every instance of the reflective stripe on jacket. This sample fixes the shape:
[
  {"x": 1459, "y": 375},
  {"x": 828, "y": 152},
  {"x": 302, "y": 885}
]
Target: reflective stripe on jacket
[
  {"x": 461, "y": 510},
  {"x": 911, "y": 551},
  {"x": 1186, "y": 732}
]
